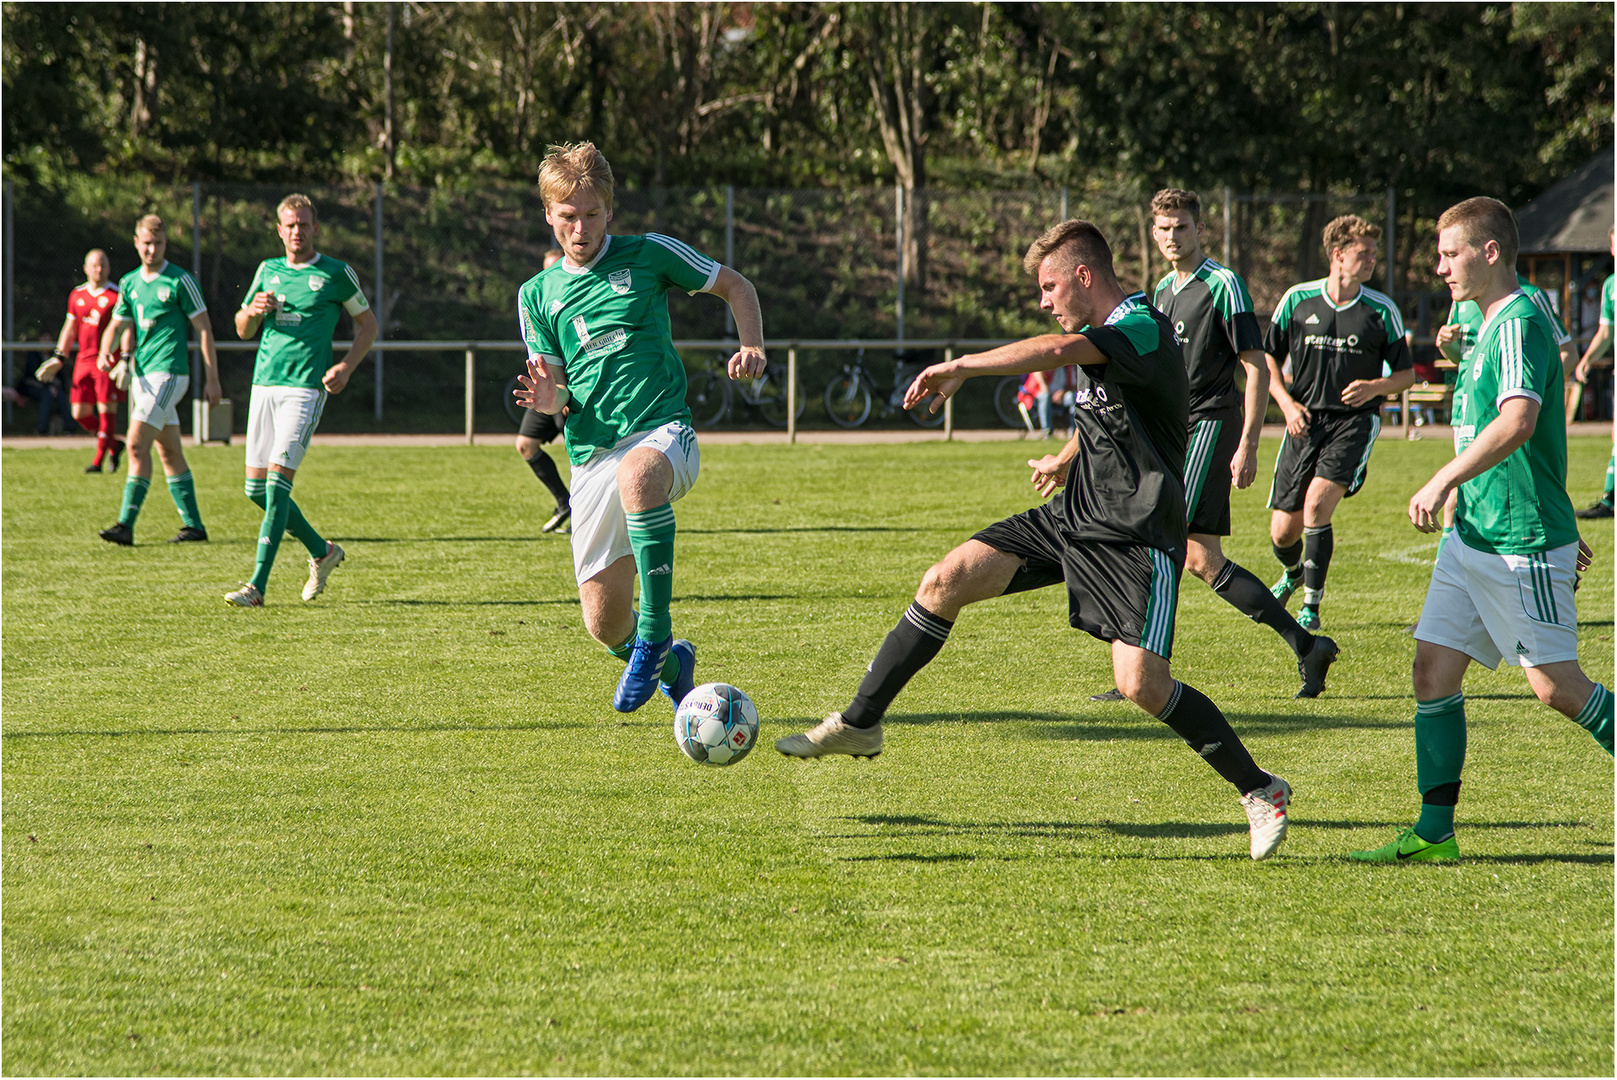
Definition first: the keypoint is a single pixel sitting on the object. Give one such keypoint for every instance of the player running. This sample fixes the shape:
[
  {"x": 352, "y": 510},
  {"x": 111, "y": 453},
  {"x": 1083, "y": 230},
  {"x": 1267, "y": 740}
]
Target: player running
[
  {"x": 1116, "y": 538},
  {"x": 94, "y": 396},
  {"x": 1340, "y": 337},
  {"x": 536, "y": 430},
  {"x": 1502, "y": 586},
  {"x": 159, "y": 299},
  {"x": 1211, "y": 313},
  {"x": 1599, "y": 345},
  {"x": 296, "y": 299},
  {"x": 599, "y": 343}
]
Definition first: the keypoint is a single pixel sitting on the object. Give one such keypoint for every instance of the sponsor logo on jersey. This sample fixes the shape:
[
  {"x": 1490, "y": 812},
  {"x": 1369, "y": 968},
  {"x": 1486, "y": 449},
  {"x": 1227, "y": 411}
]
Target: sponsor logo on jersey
[
  {"x": 582, "y": 329},
  {"x": 1092, "y": 398},
  {"x": 1179, "y": 328},
  {"x": 1326, "y": 341},
  {"x": 317, "y": 283},
  {"x": 555, "y": 307},
  {"x": 607, "y": 344},
  {"x": 621, "y": 282}
]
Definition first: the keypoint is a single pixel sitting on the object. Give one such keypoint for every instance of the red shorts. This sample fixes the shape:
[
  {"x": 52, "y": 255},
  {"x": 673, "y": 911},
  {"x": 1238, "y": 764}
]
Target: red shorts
[{"x": 93, "y": 386}]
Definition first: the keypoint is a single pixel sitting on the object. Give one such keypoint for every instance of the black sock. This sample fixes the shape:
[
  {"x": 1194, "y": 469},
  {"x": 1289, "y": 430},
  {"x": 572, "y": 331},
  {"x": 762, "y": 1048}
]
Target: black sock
[
  {"x": 1252, "y": 598},
  {"x": 1318, "y": 543},
  {"x": 1198, "y": 721},
  {"x": 909, "y": 647},
  {"x": 1290, "y": 556},
  {"x": 548, "y": 475}
]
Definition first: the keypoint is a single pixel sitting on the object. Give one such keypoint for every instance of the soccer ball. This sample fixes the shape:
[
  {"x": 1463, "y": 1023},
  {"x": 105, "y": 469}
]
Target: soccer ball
[{"x": 716, "y": 724}]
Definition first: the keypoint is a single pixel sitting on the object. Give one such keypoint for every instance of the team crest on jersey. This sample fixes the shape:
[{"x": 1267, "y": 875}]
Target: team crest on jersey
[
  {"x": 164, "y": 292},
  {"x": 621, "y": 282},
  {"x": 102, "y": 302},
  {"x": 317, "y": 283}
]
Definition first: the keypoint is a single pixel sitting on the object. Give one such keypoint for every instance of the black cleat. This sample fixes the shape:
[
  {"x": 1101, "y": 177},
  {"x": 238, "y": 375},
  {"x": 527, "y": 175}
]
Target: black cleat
[
  {"x": 1113, "y": 694},
  {"x": 117, "y": 456},
  {"x": 93, "y": 467},
  {"x": 1601, "y": 509},
  {"x": 189, "y": 535},
  {"x": 119, "y": 534},
  {"x": 558, "y": 519},
  {"x": 1315, "y": 665}
]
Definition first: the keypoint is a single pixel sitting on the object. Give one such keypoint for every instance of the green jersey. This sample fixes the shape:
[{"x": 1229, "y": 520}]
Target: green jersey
[
  {"x": 161, "y": 307},
  {"x": 606, "y": 326},
  {"x": 1606, "y": 300},
  {"x": 1520, "y": 506},
  {"x": 1468, "y": 316},
  {"x": 294, "y": 344}
]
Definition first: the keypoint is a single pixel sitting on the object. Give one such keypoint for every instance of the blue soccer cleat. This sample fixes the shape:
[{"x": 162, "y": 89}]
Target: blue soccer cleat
[
  {"x": 639, "y": 680},
  {"x": 686, "y": 682}
]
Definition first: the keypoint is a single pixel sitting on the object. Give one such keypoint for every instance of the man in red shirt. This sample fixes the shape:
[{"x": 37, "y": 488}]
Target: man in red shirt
[{"x": 93, "y": 394}]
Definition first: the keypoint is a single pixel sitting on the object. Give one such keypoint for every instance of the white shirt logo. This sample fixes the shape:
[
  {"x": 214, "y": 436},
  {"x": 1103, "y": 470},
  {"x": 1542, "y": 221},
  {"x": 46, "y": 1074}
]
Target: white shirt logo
[
  {"x": 581, "y": 328},
  {"x": 164, "y": 292},
  {"x": 556, "y": 306},
  {"x": 621, "y": 282},
  {"x": 317, "y": 283},
  {"x": 1312, "y": 320}
]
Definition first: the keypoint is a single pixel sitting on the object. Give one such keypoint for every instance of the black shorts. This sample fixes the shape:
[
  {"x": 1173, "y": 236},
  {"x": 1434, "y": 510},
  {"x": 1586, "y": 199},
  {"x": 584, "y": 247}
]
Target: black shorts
[
  {"x": 541, "y": 426},
  {"x": 1336, "y": 448},
  {"x": 1115, "y": 591},
  {"x": 1207, "y": 475}
]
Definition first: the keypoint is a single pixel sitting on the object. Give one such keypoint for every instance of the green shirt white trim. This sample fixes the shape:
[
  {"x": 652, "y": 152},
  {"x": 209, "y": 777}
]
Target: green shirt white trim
[
  {"x": 161, "y": 305},
  {"x": 294, "y": 344}
]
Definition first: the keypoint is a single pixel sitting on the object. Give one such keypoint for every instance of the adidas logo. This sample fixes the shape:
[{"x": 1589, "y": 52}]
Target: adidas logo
[
  {"x": 663, "y": 569},
  {"x": 1312, "y": 320},
  {"x": 1210, "y": 748},
  {"x": 263, "y": 539},
  {"x": 1521, "y": 650}
]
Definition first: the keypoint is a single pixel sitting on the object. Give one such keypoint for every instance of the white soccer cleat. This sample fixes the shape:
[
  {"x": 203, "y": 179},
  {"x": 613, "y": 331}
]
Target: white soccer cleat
[
  {"x": 832, "y": 736},
  {"x": 320, "y": 570},
  {"x": 1266, "y": 809},
  {"x": 246, "y": 596}
]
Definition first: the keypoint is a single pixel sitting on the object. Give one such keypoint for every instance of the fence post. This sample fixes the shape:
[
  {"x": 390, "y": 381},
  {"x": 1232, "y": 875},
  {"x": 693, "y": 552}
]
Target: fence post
[
  {"x": 381, "y": 303},
  {"x": 948, "y": 402},
  {"x": 898, "y": 252},
  {"x": 1227, "y": 227},
  {"x": 471, "y": 396},
  {"x": 791, "y": 394},
  {"x": 1392, "y": 246},
  {"x": 10, "y": 282},
  {"x": 729, "y": 249},
  {"x": 196, "y": 272}
]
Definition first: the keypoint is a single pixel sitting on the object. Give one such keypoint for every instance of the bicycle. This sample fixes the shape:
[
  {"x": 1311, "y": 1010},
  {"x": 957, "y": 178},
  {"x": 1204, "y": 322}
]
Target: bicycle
[
  {"x": 1015, "y": 413},
  {"x": 848, "y": 400},
  {"x": 711, "y": 395}
]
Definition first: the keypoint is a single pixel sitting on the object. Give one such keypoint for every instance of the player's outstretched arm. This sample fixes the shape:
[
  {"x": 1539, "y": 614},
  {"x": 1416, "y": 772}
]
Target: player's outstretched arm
[
  {"x": 1514, "y": 425},
  {"x": 210, "y": 358},
  {"x": 1043, "y": 353},
  {"x": 365, "y": 328},
  {"x": 735, "y": 290},
  {"x": 543, "y": 387}
]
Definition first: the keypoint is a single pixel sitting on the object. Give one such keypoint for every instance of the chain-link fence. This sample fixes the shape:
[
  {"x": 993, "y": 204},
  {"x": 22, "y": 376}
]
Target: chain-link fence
[{"x": 444, "y": 264}]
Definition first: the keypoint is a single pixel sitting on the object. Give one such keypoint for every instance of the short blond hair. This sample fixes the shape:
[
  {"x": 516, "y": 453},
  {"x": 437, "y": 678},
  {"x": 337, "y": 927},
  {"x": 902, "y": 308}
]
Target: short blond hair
[
  {"x": 1482, "y": 219},
  {"x": 1174, "y": 200},
  {"x": 1072, "y": 242},
  {"x": 151, "y": 223},
  {"x": 1345, "y": 230},
  {"x": 296, "y": 201},
  {"x": 572, "y": 167}
]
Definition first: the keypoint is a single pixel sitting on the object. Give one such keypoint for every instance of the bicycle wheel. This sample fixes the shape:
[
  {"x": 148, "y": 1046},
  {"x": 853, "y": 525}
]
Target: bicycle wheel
[
  {"x": 512, "y": 409},
  {"x": 706, "y": 395},
  {"x": 769, "y": 395},
  {"x": 847, "y": 401},
  {"x": 922, "y": 414},
  {"x": 1005, "y": 405}
]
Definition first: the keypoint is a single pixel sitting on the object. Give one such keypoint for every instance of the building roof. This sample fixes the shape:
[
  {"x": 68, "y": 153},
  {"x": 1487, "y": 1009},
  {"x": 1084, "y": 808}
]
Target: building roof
[{"x": 1572, "y": 215}]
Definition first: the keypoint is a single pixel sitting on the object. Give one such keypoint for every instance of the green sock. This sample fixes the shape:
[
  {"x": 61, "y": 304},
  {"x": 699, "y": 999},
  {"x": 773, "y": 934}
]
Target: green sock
[
  {"x": 183, "y": 490},
  {"x": 278, "y": 505},
  {"x": 1439, "y": 758},
  {"x": 1596, "y": 716},
  {"x": 1611, "y": 480},
  {"x": 651, "y": 538},
  {"x": 135, "y": 489},
  {"x": 295, "y": 522},
  {"x": 623, "y": 650}
]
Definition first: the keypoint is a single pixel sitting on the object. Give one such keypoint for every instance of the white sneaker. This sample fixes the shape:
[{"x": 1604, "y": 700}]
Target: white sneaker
[
  {"x": 320, "y": 569},
  {"x": 832, "y": 736},
  {"x": 1266, "y": 816},
  {"x": 246, "y": 596}
]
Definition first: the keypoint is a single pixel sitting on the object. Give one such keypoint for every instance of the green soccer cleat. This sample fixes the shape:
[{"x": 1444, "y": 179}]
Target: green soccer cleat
[
  {"x": 1410, "y": 848},
  {"x": 1287, "y": 585},
  {"x": 1308, "y": 618}
]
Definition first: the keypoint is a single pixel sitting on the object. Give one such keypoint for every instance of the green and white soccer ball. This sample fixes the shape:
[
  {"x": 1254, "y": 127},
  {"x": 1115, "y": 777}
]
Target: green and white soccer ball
[{"x": 716, "y": 724}]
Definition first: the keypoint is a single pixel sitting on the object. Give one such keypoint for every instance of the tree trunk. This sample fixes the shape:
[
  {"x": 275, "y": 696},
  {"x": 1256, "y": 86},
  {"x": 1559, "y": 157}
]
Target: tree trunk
[
  {"x": 389, "y": 144},
  {"x": 898, "y": 55}
]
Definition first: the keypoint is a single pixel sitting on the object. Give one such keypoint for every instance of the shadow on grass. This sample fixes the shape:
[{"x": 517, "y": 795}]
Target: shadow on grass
[
  {"x": 563, "y": 602},
  {"x": 350, "y": 729},
  {"x": 1136, "y": 725},
  {"x": 796, "y": 529}
]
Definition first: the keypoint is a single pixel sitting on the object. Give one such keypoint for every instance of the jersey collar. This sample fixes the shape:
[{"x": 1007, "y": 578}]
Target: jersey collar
[
  {"x": 149, "y": 279},
  {"x": 1123, "y": 307},
  {"x": 1500, "y": 314},
  {"x": 93, "y": 291},
  {"x": 1192, "y": 276},
  {"x": 302, "y": 266},
  {"x": 1325, "y": 295},
  {"x": 606, "y": 243}
]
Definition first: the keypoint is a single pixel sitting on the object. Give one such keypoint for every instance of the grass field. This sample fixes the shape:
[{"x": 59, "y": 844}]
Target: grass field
[{"x": 400, "y": 829}]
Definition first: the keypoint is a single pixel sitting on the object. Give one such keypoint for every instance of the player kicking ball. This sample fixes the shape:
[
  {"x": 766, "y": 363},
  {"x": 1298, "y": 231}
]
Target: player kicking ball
[
  {"x": 159, "y": 300},
  {"x": 296, "y": 301},
  {"x": 1116, "y": 538},
  {"x": 599, "y": 344},
  {"x": 1502, "y": 586}
]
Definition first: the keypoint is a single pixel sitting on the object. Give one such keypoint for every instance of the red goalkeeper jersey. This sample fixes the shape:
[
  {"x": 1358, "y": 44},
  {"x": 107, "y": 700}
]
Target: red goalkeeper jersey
[{"x": 92, "y": 310}]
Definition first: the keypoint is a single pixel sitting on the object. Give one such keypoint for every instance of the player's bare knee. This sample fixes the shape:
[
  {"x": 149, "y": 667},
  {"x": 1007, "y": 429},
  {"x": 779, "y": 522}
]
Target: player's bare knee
[
  {"x": 526, "y": 447},
  {"x": 939, "y": 586},
  {"x": 1204, "y": 562}
]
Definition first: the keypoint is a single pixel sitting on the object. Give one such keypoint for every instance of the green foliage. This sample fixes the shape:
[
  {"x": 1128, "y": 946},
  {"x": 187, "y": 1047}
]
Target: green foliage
[{"x": 400, "y": 831}]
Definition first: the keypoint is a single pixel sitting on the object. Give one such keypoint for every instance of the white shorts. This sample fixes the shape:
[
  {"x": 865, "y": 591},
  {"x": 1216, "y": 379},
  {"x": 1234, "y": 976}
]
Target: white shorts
[
  {"x": 600, "y": 529},
  {"x": 280, "y": 422},
  {"x": 155, "y": 399},
  {"x": 1515, "y": 608}
]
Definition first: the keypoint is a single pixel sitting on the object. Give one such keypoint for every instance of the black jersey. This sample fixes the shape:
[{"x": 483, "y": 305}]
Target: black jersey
[
  {"x": 1131, "y": 416},
  {"x": 1211, "y": 311},
  {"x": 1332, "y": 346}
]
